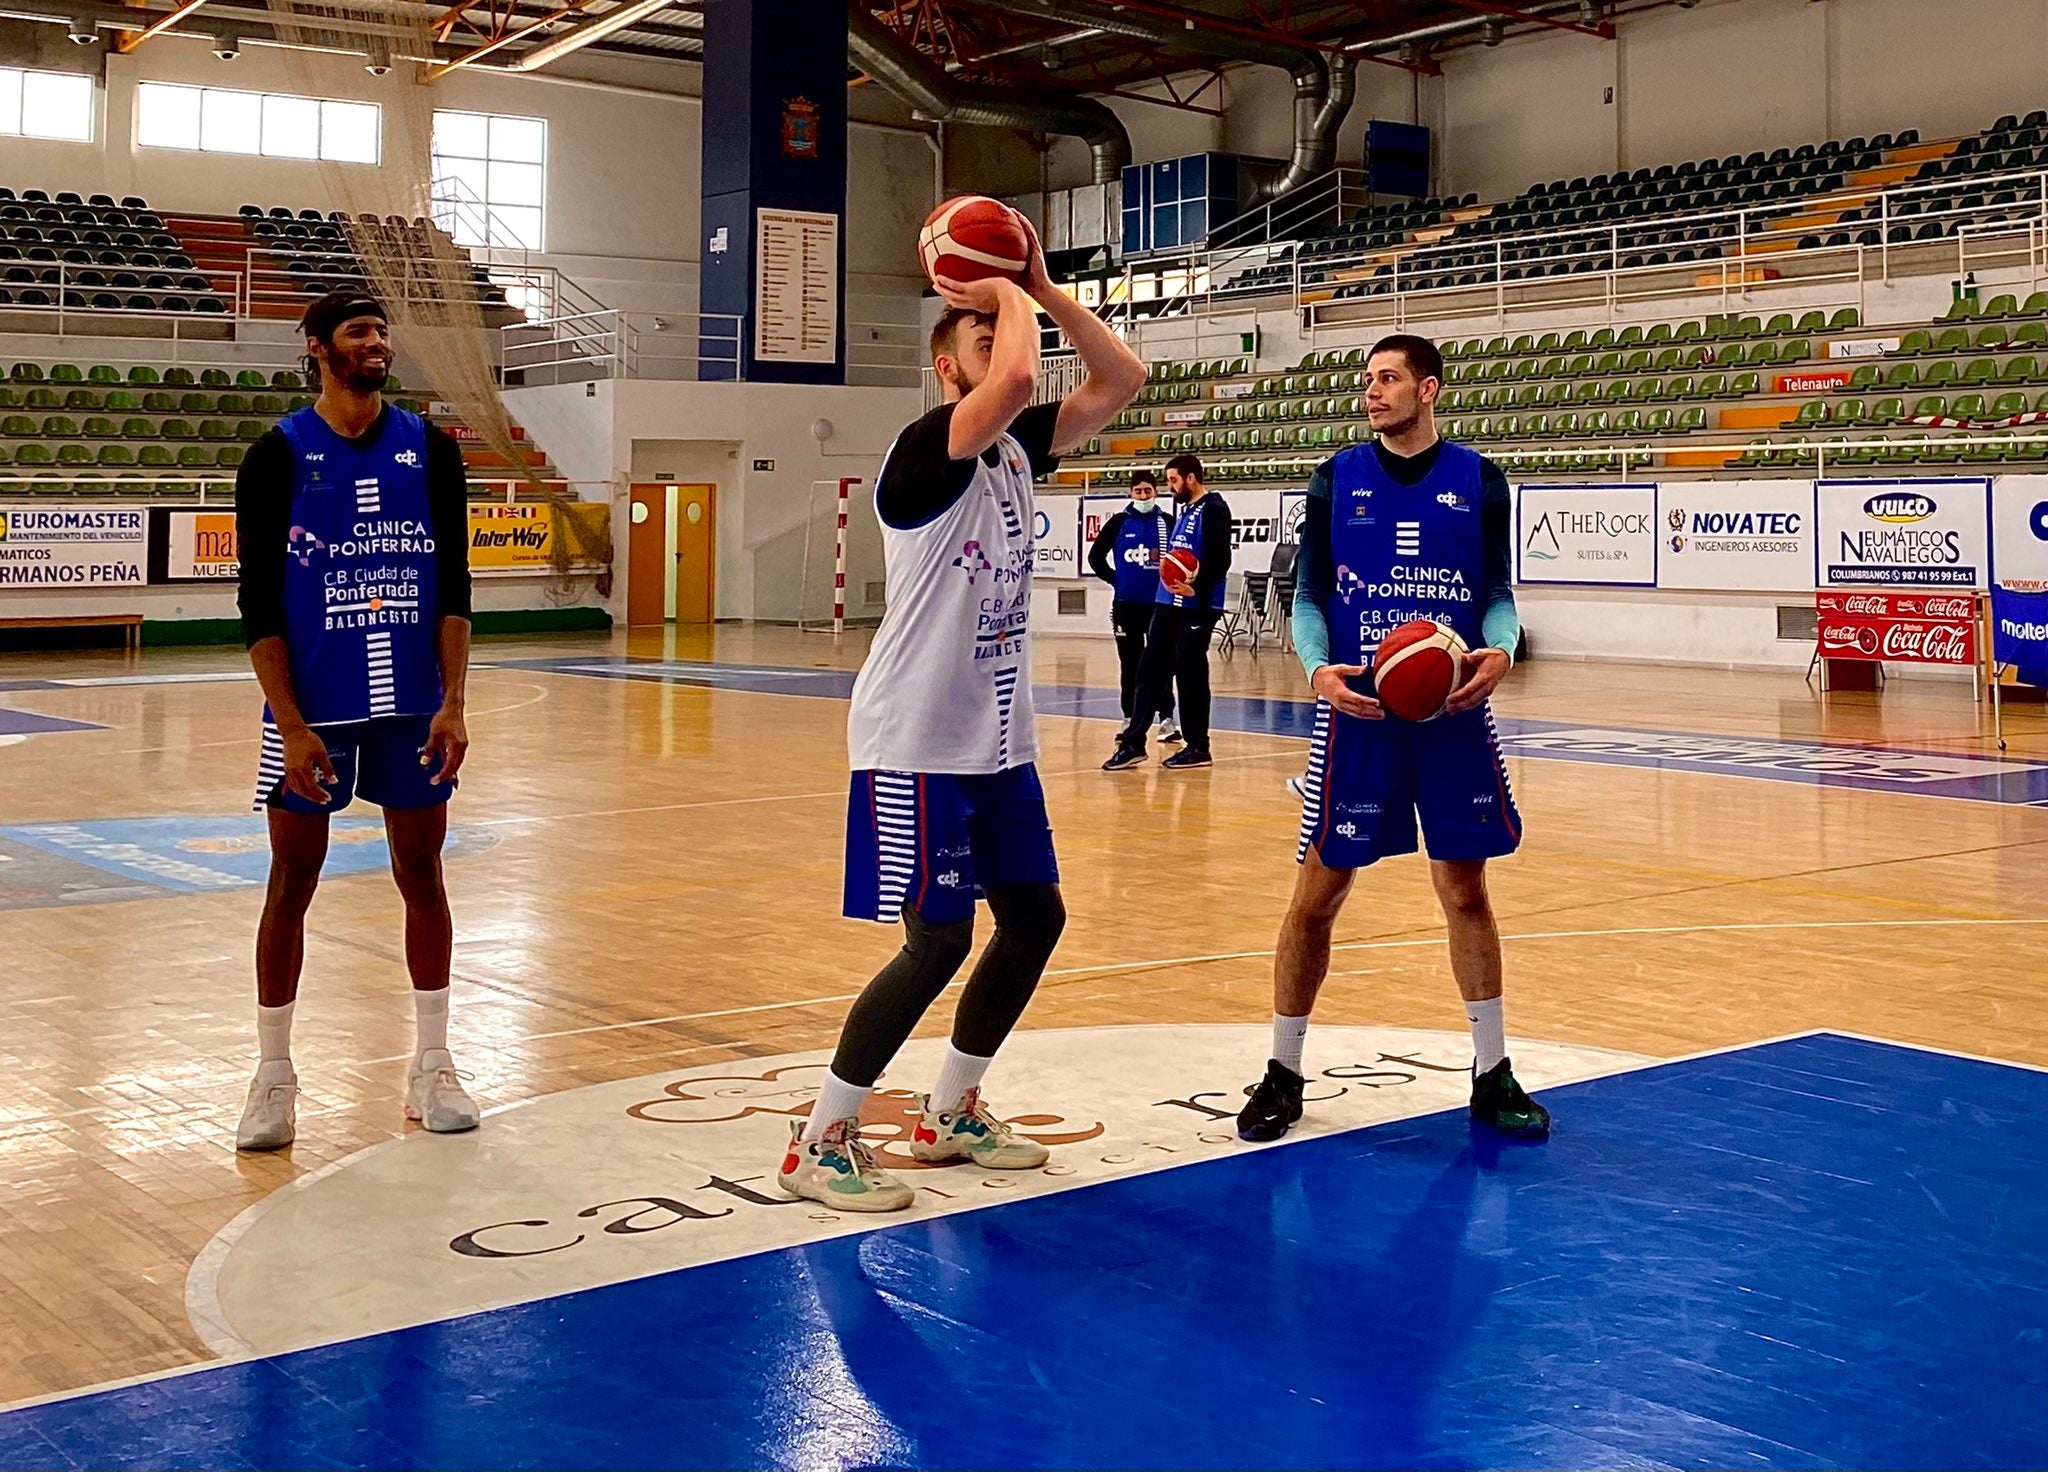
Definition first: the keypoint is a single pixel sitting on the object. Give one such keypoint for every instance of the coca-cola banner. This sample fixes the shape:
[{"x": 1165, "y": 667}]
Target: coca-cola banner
[
  {"x": 1889, "y": 625},
  {"x": 1736, "y": 535},
  {"x": 1933, "y": 533}
]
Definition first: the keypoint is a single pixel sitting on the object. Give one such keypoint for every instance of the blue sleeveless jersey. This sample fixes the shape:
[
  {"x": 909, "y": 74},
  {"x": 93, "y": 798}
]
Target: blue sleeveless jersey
[
  {"x": 359, "y": 586},
  {"x": 1187, "y": 537},
  {"x": 1403, "y": 552},
  {"x": 1140, "y": 541}
]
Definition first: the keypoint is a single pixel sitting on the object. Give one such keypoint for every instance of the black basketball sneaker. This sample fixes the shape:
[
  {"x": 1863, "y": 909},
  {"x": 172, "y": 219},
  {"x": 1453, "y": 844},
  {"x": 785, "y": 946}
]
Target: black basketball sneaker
[
  {"x": 1498, "y": 1100},
  {"x": 1274, "y": 1106}
]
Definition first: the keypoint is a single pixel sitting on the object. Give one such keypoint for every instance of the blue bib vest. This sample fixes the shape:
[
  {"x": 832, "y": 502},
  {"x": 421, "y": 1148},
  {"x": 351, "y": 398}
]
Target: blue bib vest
[
  {"x": 1403, "y": 552},
  {"x": 359, "y": 584},
  {"x": 1187, "y": 537},
  {"x": 1140, "y": 540}
]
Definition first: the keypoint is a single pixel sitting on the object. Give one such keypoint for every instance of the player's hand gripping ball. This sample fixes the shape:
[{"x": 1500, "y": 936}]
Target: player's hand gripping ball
[{"x": 1416, "y": 668}]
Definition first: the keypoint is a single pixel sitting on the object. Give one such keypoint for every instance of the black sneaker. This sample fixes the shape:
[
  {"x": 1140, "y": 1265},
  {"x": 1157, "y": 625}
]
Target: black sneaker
[
  {"x": 1124, "y": 756},
  {"x": 1499, "y": 1101},
  {"x": 1180, "y": 761},
  {"x": 1274, "y": 1106}
]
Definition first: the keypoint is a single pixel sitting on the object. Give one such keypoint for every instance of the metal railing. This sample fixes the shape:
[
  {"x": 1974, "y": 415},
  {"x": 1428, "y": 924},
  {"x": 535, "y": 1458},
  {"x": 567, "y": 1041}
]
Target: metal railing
[
  {"x": 1741, "y": 248},
  {"x": 207, "y": 487},
  {"x": 609, "y": 344}
]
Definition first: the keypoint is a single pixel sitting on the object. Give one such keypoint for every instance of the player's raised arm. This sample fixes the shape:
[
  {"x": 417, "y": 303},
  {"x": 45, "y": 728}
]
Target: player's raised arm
[
  {"x": 1115, "y": 373},
  {"x": 986, "y": 409}
]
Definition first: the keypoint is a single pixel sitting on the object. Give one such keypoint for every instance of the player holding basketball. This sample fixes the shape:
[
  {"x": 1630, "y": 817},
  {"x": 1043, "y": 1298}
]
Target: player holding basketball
[
  {"x": 945, "y": 802},
  {"x": 1410, "y": 526},
  {"x": 353, "y": 521}
]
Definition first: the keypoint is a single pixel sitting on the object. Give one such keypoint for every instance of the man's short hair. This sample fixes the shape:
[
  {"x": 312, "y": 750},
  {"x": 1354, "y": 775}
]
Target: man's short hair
[
  {"x": 1420, "y": 354},
  {"x": 1188, "y": 465},
  {"x": 949, "y": 323},
  {"x": 1144, "y": 478}
]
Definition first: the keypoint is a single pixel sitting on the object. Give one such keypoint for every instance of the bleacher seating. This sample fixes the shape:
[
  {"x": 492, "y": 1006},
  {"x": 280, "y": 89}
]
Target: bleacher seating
[
  {"x": 113, "y": 432},
  {"x": 1376, "y": 228},
  {"x": 96, "y": 255}
]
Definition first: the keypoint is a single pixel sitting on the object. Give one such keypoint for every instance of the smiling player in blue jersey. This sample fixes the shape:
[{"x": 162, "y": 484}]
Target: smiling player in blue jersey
[
  {"x": 353, "y": 524},
  {"x": 1409, "y": 526}
]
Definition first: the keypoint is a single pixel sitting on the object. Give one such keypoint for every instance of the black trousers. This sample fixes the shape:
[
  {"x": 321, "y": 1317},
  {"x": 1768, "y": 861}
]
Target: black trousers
[
  {"x": 1131, "y": 621},
  {"x": 1176, "y": 653}
]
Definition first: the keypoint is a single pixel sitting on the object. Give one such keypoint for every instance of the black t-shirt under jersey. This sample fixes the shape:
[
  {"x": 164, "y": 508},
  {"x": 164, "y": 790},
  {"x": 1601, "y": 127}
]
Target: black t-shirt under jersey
[{"x": 922, "y": 479}]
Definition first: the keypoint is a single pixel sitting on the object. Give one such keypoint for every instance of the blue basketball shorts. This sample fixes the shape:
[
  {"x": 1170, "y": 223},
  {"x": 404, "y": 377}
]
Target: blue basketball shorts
[
  {"x": 378, "y": 761},
  {"x": 934, "y": 842},
  {"x": 1368, "y": 783}
]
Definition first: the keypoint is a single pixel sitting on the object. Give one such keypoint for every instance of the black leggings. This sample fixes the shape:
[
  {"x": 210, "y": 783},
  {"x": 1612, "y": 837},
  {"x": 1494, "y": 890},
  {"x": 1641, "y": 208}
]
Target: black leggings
[
  {"x": 1177, "y": 653},
  {"x": 1132, "y": 622},
  {"x": 1029, "y": 919}
]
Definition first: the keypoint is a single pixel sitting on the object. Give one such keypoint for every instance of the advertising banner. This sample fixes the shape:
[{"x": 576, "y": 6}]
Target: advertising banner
[
  {"x": 1055, "y": 552},
  {"x": 520, "y": 539},
  {"x": 1587, "y": 534},
  {"x": 1738, "y": 535},
  {"x": 1254, "y": 527},
  {"x": 1888, "y": 625},
  {"x": 1811, "y": 381},
  {"x": 72, "y": 546},
  {"x": 2019, "y": 563},
  {"x": 192, "y": 545},
  {"x": 1902, "y": 533}
]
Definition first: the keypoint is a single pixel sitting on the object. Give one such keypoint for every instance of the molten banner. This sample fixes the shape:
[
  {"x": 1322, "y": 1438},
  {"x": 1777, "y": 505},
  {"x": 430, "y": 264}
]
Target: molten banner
[{"x": 1907, "y": 628}]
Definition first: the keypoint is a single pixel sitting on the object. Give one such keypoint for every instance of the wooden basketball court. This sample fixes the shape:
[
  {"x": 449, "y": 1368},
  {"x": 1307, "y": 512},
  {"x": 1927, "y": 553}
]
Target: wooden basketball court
[{"x": 645, "y": 878}]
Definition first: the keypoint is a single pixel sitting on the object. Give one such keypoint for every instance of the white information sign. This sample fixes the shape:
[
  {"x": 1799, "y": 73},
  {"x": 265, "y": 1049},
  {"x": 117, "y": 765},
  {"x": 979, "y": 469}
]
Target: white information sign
[{"x": 796, "y": 287}]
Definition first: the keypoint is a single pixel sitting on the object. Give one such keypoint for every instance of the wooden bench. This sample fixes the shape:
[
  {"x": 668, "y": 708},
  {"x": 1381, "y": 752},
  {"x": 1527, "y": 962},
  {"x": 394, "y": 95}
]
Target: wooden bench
[{"x": 130, "y": 624}]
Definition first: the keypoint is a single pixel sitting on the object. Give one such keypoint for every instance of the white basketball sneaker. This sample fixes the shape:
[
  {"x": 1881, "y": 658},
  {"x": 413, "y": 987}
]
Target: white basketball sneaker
[
  {"x": 972, "y": 1133},
  {"x": 270, "y": 1120},
  {"x": 1295, "y": 789},
  {"x": 838, "y": 1171},
  {"x": 435, "y": 1097},
  {"x": 1168, "y": 732}
]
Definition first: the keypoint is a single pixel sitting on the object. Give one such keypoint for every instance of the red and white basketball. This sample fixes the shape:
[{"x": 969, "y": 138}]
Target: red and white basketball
[
  {"x": 1177, "y": 570},
  {"x": 972, "y": 237},
  {"x": 1416, "y": 668}
]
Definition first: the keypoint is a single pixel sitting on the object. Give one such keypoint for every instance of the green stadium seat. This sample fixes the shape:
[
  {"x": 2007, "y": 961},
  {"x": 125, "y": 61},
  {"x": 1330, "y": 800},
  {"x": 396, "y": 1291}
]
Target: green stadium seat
[
  {"x": 1780, "y": 326},
  {"x": 1939, "y": 375},
  {"x": 66, "y": 373},
  {"x": 60, "y": 427},
  {"x": 1952, "y": 340},
  {"x": 1536, "y": 426},
  {"x": 1930, "y": 406},
  {"x": 1743, "y": 384},
  {"x": 1638, "y": 361},
  {"x": 220, "y": 429},
  {"x": 1861, "y": 379},
  {"x": 1524, "y": 344},
  {"x": 118, "y": 456},
  {"x": 1628, "y": 337},
  {"x": 1574, "y": 341},
  {"x": 1629, "y": 421},
  {"x": 1901, "y": 376},
  {"x": 1557, "y": 395},
  {"x": 1918, "y": 341},
  {"x": 1844, "y": 319},
  {"x": 73, "y": 455},
  {"x": 1966, "y": 406},
  {"x": 1548, "y": 342},
  {"x": 1812, "y": 414},
  {"x": 2005, "y": 304},
  {"x": 1962, "y": 309},
  {"x": 155, "y": 457},
  {"x": 196, "y": 457},
  {"x": 1618, "y": 391},
  {"x": 2030, "y": 335},
  {"x": 1763, "y": 354},
  {"x": 33, "y": 454},
  {"x": 1681, "y": 387},
  {"x": 1606, "y": 365},
  {"x": 1887, "y": 411},
  {"x": 1478, "y": 429},
  {"x": 99, "y": 427},
  {"x": 84, "y": 398},
  {"x": 177, "y": 429},
  {"x": 179, "y": 378},
  {"x": 282, "y": 378},
  {"x": 195, "y": 403},
  {"x": 1657, "y": 421},
  {"x": 137, "y": 428},
  {"x": 43, "y": 398},
  {"x": 1508, "y": 427},
  {"x": 1713, "y": 386},
  {"x": 1989, "y": 339},
  {"x": 156, "y": 401},
  {"x": 1692, "y": 419},
  {"x": 1848, "y": 411},
  {"x": 1669, "y": 360},
  {"x": 1597, "y": 422},
  {"x": 1604, "y": 338},
  {"x": 1565, "y": 424},
  {"x": 1815, "y": 321},
  {"x": 1689, "y": 332},
  {"x": 26, "y": 373},
  {"x": 1524, "y": 369},
  {"x": 1798, "y": 350},
  {"x": 2024, "y": 369},
  {"x": 2006, "y": 406},
  {"x": 9, "y": 398},
  {"x": 102, "y": 373},
  {"x": 2035, "y": 304},
  {"x": 17, "y": 426},
  {"x": 1588, "y": 392},
  {"x": 1980, "y": 370}
]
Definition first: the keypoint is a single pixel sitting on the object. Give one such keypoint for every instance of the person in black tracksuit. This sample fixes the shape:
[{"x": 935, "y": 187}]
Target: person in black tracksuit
[
  {"x": 1177, "y": 645},
  {"x": 1125, "y": 554}
]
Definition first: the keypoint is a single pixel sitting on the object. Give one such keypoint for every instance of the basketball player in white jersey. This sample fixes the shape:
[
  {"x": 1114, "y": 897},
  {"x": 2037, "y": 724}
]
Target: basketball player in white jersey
[{"x": 945, "y": 804}]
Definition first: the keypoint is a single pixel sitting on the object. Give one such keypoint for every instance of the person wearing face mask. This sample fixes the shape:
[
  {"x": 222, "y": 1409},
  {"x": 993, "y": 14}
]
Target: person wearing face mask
[{"x": 1125, "y": 554}]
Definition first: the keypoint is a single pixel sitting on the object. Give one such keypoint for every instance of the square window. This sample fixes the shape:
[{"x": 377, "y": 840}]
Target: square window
[
  {"x": 349, "y": 132},
  {"x": 166, "y": 116},
  {"x": 56, "y": 105},
  {"x": 519, "y": 140},
  {"x": 10, "y": 100},
  {"x": 291, "y": 127},
  {"x": 230, "y": 122},
  {"x": 516, "y": 184},
  {"x": 462, "y": 134},
  {"x": 516, "y": 227}
]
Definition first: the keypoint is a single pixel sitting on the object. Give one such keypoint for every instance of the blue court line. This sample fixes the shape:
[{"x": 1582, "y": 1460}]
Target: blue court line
[
  {"x": 1868, "y": 768},
  {"x": 1818, "y": 1252},
  {"x": 28, "y": 723}
]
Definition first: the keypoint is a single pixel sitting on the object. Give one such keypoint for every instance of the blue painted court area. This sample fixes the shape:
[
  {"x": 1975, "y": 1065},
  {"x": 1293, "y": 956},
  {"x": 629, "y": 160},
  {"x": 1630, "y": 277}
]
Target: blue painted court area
[
  {"x": 1968, "y": 775},
  {"x": 28, "y": 723},
  {"x": 1820, "y": 1252}
]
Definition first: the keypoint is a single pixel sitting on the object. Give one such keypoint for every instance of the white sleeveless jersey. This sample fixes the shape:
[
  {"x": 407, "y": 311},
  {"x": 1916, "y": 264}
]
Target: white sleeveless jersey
[{"x": 947, "y": 685}]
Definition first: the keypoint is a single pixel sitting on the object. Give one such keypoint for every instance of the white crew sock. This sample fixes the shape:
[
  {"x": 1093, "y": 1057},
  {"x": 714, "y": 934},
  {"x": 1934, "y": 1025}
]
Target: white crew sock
[
  {"x": 1288, "y": 1033},
  {"x": 274, "y": 1032},
  {"x": 1489, "y": 1033},
  {"x": 959, "y": 1073},
  {"x": 431, "y": 1011},
  {"x": 837, "y": 1100}
]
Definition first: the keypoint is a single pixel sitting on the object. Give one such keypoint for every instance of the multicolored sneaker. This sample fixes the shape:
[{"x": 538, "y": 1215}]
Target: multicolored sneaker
[
  {"x": 837, "y": 1171},
  {"x": 972, "y": 1133},
  {"x": 1498, "y": 1100}
]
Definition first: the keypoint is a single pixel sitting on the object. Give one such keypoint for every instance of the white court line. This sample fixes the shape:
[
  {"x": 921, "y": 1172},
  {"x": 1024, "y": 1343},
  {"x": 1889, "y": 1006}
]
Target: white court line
[{"x": 1355, "y": 945}]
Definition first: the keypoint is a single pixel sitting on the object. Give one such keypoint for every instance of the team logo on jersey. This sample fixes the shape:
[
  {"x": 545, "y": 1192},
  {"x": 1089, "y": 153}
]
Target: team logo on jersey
[
  {"x": 410, "y": 459},
  {"x": 1347, "y": 830},
  {"x": 305, "y": 546},
  {"x": 1348, "y": 582},
  {"x": 1453, "y": 500},
  {"x": 973, "y": 561}
]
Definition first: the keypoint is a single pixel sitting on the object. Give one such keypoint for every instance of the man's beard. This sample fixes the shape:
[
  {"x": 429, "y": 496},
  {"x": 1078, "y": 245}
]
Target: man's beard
[
  {"x": 1398, "y": 427},
  {"x": 364, "y": 380},
  {"x": 958, "y": 378}
]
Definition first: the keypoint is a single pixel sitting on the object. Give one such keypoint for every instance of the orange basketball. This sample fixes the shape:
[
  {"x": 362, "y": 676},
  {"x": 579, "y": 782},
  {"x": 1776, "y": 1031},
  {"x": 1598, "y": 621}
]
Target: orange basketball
[
  {"x": 1177, "y": 570},
  {"x": 1416, "y": 668},
  {"x": 972, "y": 237}
]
